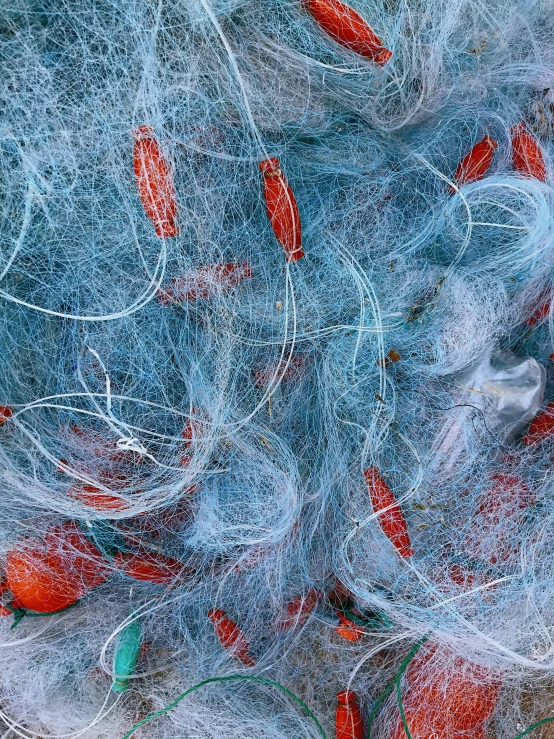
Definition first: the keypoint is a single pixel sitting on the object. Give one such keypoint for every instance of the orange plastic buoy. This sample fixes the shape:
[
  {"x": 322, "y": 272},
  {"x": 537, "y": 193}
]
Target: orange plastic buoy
[
  {"x": 282, "y": 209},
  {"x": 541, "y": 427},
  {"x": 167, "y": 520},
  {"x": 423, "y": 725},
  {"x": 93, "y": 497},
  {"x": 348, "y": 629},
  {"x": 392, "y": 521},
  {"x": 419, "y": 667},
  {"x": 5, "y": 413},
  {"x": 230, "y": 636},
  {"x": 155, "y": 182},
  {"x": 458, "y": 697},
  {"x": 348, "y": 719},
  {"x": 348, "y": 28},
  {"x": 205, "y": 282},
  {"x": 298, "y": 610},
  {"x": 46, "y": 576},
  {"x": 96, "y": 446},
  {"x": 476, "y": 162},
  {"x": 527, "y": 156},
  {"x": 150, "y": 567},
  {"x": 459, "y": 576}
]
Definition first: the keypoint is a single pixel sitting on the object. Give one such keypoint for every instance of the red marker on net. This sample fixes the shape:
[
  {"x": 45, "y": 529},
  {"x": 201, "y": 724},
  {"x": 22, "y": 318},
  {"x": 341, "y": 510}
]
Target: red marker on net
[
  {"x": 282, "y": 209},
  {"x": 347, "y": 27},
  {"x": 93, "y": 497},
  {"x": 230, "y": 636},
  {"x": 155, "y": 182},
  {"x": 476, "y": 162},
  {"x": 540, "y": 313},
  {"x": 527, "y": 156},
  {"x": 149, "y": 567},
  {"x": 51, "y": 574},
  {"x": 541, "y": 427},
  {"x": 392, "y": 521},
  {"x": 299, "y": 609},
  {"x": 293, "y": 373},
  {"x": 348, "y": 719},
  {"x": 348, "y": 629},
  {"x": 457, "y": 698}
]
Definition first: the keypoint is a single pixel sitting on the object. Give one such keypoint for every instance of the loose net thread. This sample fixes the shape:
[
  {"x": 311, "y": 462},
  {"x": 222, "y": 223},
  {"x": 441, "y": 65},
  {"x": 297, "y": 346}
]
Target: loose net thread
[{"x": 230, "y": 432}]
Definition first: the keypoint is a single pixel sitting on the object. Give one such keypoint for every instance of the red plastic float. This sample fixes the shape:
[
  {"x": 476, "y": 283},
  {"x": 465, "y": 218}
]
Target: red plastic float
[
  {"x": 497, "y": 519},
  {"x": 527, "y": 156},
  {"x": 282, "y": 209},
  {"x": 46, "y": 576},
  {"x": 348, "y": 629},
  {"x": 230, "y": 636},
  {"x": 298, "y": 610},
  {"x": 155, "y": 182},
  {"x": 262, "y": 377},
  {"x": 348, "y": 719},
  {"x": 392, "y": 521},
  {"x": 205, "y": 282},
  {"x": 347, "y": 27},
  {"x": 452, "y": 701},
  {"x": 93, "y": 497},
  {"x": 151, "y": 567},
  {"x": 476, "y": 162},
  {"x": 541, "y": 427}
]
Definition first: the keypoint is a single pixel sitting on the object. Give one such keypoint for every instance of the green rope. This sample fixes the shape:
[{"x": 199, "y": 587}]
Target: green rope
[
  {"x": 379, "y": 621},
  {"x": 225, "y": 679},
  {"x": 535, "y": 726},
  {"x": 19, "y": 613},
  {"x": 401, "y": 708},
  {"x": 396, "y": 682}
]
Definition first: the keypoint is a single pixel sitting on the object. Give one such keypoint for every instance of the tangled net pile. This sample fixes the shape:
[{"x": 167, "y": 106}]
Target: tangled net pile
[{"x": 262, "y": 479}]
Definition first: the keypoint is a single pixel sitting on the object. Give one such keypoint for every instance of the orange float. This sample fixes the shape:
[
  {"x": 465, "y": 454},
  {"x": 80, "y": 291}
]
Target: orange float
[
  {"x": 392, "y": 521},
  {"x": 93, "y": 497},
  {"x": 150, "y": 567},
  {"x": 346, "y": 26},
  {"x": 348, "y": 719},
  {"x": 155, "y": 182},
  {"x": 476, "y": 162},
  {"x": 541, "y": 427},
  {"x": 205, "y": 282},
  {"x": 230, "y": 636},
  {"x": 527, "y": 156},
  {"x": 298, "y": 610},
  {"x": 47, "y": 576},
  {"x": 282, "y": 209}
]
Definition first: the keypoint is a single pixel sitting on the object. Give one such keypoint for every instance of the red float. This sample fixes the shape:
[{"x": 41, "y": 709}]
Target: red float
[
  {"x": 391, "y": 521},
  {"x": 347, "y": 27},
  {"x": 230, "y": 636},
  {"x": 155, "y": 182},
  {"x": 282, "y": 209},
  {"x": 348, "y": 719},
  {"x": 527, "y": 156},
  {"x": 46, "y": 576},
  {"x": 476, "y": 162}
]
